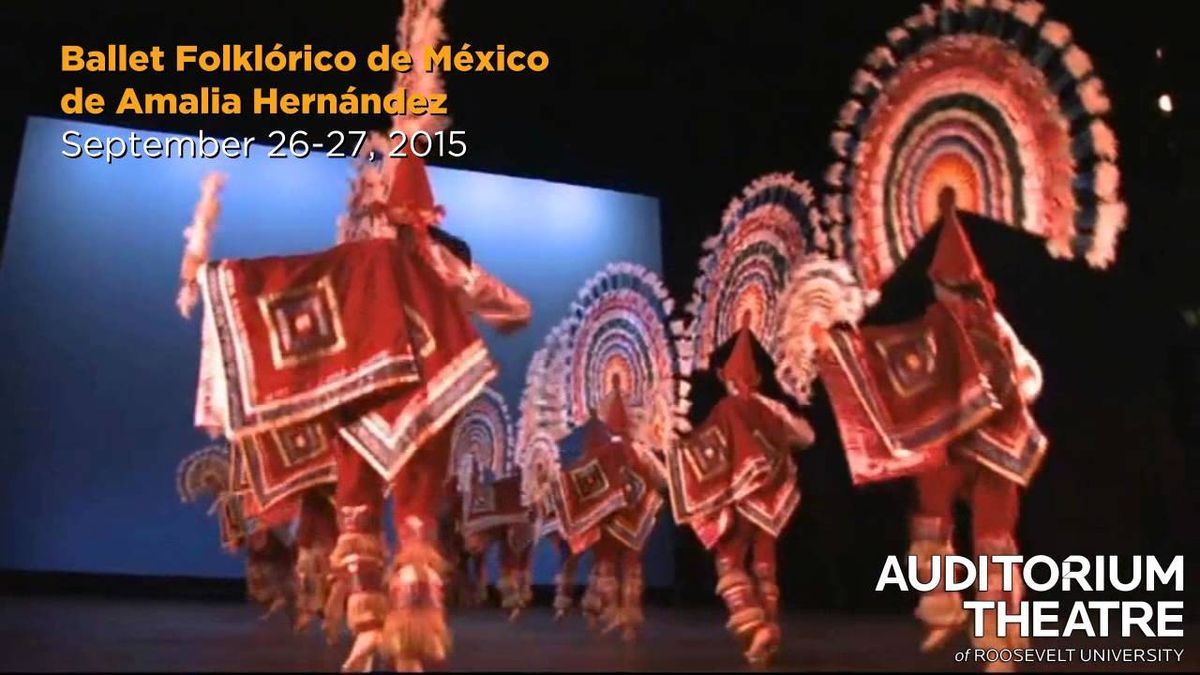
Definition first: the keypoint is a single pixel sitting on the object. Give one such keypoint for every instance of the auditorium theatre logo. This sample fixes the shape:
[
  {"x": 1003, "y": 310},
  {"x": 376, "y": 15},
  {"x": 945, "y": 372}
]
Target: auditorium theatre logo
[{"x": 1115, "y": 588}]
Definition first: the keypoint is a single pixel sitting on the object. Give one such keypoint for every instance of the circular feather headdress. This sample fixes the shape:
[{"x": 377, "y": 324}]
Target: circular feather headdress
[
  {"x": 483, "y": 437},
  {"x": 993, "y": 99},
  {"x": 619, "y": 327},
  {"x": 744, "y": 270},
  {"x": 204, "y": 472}
]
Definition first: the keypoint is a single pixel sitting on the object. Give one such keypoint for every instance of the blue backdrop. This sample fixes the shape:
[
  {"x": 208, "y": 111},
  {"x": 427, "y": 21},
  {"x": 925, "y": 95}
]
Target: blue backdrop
[{"x": 98, "y": 377}]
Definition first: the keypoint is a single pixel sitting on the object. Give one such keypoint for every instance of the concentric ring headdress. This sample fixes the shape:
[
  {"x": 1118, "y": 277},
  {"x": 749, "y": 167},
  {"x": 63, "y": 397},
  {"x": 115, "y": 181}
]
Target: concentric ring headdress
[
  {"x": 620, "y": 325},
  {"x": 204, "y": 472},
  {"x": 209, "y": 471},
  {"x": 483, "y": 437},
  {"x": 993, "y": 99},
  {"x": 763, "y": 233}
]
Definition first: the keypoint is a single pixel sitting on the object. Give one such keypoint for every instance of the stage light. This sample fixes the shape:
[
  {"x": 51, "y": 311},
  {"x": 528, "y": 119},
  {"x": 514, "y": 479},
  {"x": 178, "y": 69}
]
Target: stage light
[
  {"x": 1165, "y": 104},
  {"x": 1158, "y": 53}
]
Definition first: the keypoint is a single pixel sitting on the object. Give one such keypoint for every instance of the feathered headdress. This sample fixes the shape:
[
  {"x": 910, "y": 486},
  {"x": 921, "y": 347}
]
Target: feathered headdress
[
  {"x": 745, "y": 266},
  {"x": 388, "y": 189},
  {"x": 990, "y": 98},
  {"x": 483, "y": 432}
]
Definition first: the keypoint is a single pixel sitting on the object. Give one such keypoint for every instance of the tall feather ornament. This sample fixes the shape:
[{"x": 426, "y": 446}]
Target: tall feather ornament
[{"x": 419, "y": 29}]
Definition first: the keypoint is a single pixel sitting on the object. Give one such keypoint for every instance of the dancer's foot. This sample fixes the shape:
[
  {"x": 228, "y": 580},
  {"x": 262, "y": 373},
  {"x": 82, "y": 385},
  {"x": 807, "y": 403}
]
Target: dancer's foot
[
  {"x": 514, "y": 614},
  {"x": 560, "y": 614},
  {"x": 629, "y": 634},
  {"x": 362, "y": 654},
  {"x": 303, "y": 621},
  {"x": 763, "y": 645},
  {"x": 332, "y": 636},
  {"x": 409, "y": 666},
  {"x": 936, "y": 637},
  {"x": 276, "y": 607},
  {"x": 611, "y": 623}
]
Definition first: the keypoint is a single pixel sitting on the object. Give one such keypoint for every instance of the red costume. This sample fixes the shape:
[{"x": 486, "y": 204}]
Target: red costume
[
  {"x": 281, "y": 571},
  {"x": 612, "y": 371},
  {"x": 362, "y": 354},
  {"x": 734, "y": 482},
  {"x": 540, "y": 468},
  {"x": 492, "y": 514},
  {"x": 944, "y": 398},
  {"x": 994, "y": 109},
  {"x": 987, "y": 466},
  {"x": 608, "y": 502}
]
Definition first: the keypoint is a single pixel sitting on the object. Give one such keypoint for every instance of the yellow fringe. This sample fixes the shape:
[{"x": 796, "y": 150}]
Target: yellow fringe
[
  {"x": 366, "y": 545},
  {"x": 365, "y": 611},
  {"x": 417, "y": 633}
]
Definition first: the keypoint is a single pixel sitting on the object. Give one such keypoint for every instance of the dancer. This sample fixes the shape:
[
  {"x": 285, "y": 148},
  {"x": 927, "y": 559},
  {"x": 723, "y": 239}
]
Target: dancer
[
  {"x": 734, "y": 483},
  {"x": 945, "y": 398},
  {"x": 733, "y": 480},
  {"x": 616, "y": 377},
  {"x": 540, "y": 465},
  {"x": 390, "y": 426},
  {"x": 980, "y": 464},
  {"x": 543, "y": 472},
  {"x": 618, "y": 537},
  {"x": 382, "y": 321},
  {"x": 488, "y": 491},
  {"x": 283, "y": 571},
  {"x": 366, "y": 353},
  {"x": 269, "y": 558},
  {"x": 492, "y": 515}
]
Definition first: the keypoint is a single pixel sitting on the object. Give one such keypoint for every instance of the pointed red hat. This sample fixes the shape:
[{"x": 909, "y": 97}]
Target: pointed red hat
[
  {"x": 410, "y": 200},
  {"x": 617, "y": 418},
  {"x": 954, "y": 263},
  {"x": 741, "y": 368}
]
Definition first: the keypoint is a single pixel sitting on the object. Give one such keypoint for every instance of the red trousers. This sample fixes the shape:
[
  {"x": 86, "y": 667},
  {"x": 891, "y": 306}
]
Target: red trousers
[
  {"x": 994, "y": 500},
  {"x": 615, "y": 556},
  {"x": 745, "y": 539},
  {"x": 416, "y": 491},
  {"x": 317, "y": 523},
  {"x": 513, "y": 561}
]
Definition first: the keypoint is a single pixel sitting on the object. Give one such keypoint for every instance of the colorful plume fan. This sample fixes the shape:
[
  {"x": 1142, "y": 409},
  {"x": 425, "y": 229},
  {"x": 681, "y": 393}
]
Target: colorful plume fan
[
  {"x": 620, "y": 327},
  {"x": 821, "y": 293},
  {"x": 763, "y": 233},
  {"x": 204, "y": 472},
  {"x": 992, "y": 99},
  {"x": 483, "y": 433}
]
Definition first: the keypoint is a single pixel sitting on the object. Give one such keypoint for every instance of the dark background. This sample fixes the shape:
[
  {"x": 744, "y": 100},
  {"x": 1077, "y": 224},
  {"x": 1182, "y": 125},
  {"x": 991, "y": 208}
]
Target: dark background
[{"x": 688, "y": 102}]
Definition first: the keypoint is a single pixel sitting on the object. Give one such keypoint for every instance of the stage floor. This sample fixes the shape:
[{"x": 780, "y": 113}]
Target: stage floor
[{"x": 57, "y": 634}]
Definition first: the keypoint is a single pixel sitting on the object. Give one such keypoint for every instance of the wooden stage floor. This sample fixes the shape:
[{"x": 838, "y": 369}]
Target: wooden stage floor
[{"x": 87, "y": 633}]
